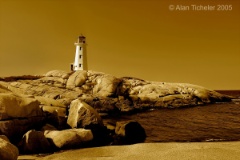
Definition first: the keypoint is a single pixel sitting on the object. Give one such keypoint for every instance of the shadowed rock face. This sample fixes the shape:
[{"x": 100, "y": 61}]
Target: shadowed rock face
[
  {"x": 34, "y": 142},
  {"x": 130, "y": 132}
]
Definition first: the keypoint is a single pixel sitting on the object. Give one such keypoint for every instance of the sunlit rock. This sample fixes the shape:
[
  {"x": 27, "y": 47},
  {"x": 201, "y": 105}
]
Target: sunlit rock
[
  {"x": 70, "y": 138},
  {"x": 82, "y": 115}
]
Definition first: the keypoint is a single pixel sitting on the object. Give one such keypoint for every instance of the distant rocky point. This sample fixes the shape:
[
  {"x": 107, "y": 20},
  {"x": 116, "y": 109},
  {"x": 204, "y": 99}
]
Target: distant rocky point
[{"x": 65, "y": 108}]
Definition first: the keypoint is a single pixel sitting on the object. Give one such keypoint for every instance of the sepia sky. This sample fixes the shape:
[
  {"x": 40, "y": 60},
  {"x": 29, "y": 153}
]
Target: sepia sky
[{"x": 157, "y": 40}]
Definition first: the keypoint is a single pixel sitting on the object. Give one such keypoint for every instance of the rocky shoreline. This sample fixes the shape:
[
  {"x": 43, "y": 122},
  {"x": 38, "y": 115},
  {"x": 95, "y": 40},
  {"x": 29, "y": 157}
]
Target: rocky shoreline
[{"x": 62, "y": 110}]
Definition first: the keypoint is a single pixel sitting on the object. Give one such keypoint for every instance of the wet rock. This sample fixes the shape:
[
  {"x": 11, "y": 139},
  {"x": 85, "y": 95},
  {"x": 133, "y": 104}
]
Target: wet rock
[
  {"x": 70, "y": 138},
  {"x": 82, "y": 115},
  {"x": 7, "y": 150},
  {"x": 34, "y": 142},
  {"x": 130, "y": 132}
]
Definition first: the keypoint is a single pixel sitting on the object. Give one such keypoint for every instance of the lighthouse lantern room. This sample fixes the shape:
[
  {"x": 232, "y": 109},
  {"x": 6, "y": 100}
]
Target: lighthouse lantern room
[{"x": 80, "y": 62}]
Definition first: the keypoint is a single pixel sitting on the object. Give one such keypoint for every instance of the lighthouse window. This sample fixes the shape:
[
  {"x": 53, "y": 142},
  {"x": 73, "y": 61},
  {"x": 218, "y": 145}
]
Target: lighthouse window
[
  {"x": 79, "y": 65},
  {"x": 80, "y": 48},
  {"x": 80, "y": 56}
]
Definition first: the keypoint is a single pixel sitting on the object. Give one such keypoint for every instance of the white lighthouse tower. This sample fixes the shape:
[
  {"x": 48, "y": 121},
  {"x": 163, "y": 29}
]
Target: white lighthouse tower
[{"x": 80, "y": 62}]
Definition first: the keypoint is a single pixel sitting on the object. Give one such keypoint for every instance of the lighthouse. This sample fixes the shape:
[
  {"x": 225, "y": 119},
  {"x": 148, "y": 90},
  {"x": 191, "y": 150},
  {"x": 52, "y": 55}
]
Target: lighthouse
[{"x": 80, "y": 62}]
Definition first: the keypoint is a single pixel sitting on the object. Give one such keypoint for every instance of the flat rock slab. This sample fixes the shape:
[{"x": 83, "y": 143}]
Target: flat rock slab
[{"x": 154, "y": 151}]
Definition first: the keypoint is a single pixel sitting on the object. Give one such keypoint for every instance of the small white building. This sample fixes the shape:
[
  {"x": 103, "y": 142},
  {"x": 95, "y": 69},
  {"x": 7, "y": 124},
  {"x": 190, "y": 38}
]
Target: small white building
[{"x": 80, "y": 62}]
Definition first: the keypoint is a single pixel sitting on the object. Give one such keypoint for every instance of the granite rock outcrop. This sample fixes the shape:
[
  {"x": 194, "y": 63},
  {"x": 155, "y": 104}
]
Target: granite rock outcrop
[
  {"x": 108, "y": 93},
  {"x": 59, "y": 100}
]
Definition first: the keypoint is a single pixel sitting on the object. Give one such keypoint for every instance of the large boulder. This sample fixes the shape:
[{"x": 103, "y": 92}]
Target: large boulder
[
  {"x": 18, "y": 114},
  {"x": 34, "y": 142},
  {"x": 14, "y": 106},
  {"x": 7, "y": 150},
  {"x": 106, "y": 85},
  {"x": 70, "y": 138},
  {"x": 130, "y": 132},
  {"x": 77, "y": 79},
  {"x": 82, "y": 115}
]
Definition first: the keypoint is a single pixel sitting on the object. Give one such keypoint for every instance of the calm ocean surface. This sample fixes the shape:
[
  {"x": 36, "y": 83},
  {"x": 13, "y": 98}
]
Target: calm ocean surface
[{"x": 213, "y": 122}]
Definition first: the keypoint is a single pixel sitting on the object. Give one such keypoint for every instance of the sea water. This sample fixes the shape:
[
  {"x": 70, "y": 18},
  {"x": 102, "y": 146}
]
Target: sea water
[{"x": 212, "y": 122}]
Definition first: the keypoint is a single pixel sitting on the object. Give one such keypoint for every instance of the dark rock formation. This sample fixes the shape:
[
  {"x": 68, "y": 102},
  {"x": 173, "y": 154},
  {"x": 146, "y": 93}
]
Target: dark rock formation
[
  {"x": 129, "y": 132},
  {"x": 34, "y": 142},
  {"x": 14, "y": 129}
]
